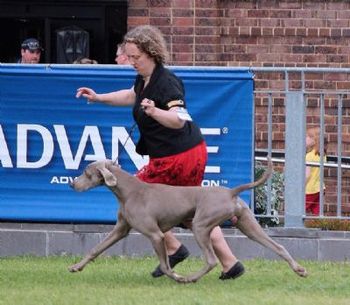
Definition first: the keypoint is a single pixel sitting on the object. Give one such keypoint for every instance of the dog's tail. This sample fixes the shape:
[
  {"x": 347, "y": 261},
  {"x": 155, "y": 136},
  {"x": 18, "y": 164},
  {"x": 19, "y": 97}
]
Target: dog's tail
[{"x": 236, "y": 190}]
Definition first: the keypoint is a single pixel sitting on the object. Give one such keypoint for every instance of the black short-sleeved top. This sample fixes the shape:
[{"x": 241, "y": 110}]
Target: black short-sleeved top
[{"x": 157, "y": 140}]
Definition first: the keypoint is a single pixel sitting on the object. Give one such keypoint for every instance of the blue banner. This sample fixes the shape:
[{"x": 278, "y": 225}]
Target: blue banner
[{"x": 47, "y": 136}]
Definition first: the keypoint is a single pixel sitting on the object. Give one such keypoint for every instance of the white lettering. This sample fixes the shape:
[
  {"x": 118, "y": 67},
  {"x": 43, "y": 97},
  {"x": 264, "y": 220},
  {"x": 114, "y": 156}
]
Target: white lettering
[
  {"x": 119, "y": 134},
  {"x": 211, "y": 131},
  {"x": 213, "y": 169},
  {"x": 212, "y": 149},
  {"x": 210, "y": 183},
  {"x": 72, "y": 160},
  {"x": 90, "y": 133},
  {"x": 5, "y": 158},
  {"x": 22, "y": 146},
  {"x": 54, "y": 180},
  {"x": 61, "y": 180}
]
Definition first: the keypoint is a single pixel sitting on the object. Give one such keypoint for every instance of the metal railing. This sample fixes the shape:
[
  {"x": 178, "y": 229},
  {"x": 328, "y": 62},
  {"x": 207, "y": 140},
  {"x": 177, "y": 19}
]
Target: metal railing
[{"x": 292, "y": 90}]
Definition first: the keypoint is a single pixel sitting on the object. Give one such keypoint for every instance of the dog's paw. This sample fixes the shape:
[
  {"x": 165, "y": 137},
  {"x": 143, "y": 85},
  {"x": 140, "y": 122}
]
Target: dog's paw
[
  {"x": 178, "y": 278},
  {"x": 301, "y": 271},
  {"x": 182, "y": 280},
  {"x": 75, "y": 268},
  {"x": 187, "y": 279},
  {"x": 191, "y": 279}
]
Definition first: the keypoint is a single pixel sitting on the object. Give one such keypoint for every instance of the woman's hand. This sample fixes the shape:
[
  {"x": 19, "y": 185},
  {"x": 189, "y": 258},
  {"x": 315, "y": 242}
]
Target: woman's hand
[
  {"x": 88, "y": 93},
  {"x": 167, "y": 118},
  {"x": 148, "y": 106}
]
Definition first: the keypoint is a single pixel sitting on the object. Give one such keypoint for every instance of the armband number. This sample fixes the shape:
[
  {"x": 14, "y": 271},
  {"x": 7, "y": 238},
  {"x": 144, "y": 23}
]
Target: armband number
[{"x": 183, "y": 114}]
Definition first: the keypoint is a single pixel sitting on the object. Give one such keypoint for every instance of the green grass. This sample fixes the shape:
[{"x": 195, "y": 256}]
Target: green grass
[{"x": 124, "y": 281}]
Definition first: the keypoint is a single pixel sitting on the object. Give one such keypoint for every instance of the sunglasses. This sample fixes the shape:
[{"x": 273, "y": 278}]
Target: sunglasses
[{"x": 31, "y": 45}]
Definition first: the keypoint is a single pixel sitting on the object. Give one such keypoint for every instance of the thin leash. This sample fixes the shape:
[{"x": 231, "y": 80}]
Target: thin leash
[{"x": 127, "y": 139}]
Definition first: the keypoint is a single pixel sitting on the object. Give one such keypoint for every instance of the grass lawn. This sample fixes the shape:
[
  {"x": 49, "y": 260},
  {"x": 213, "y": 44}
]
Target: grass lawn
[{"x": 124, "y": 281}]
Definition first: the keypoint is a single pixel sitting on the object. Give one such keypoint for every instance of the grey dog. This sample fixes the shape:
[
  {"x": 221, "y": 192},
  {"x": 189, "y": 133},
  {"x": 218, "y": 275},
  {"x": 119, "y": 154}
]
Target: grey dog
[{"x": 152, "y": 209}]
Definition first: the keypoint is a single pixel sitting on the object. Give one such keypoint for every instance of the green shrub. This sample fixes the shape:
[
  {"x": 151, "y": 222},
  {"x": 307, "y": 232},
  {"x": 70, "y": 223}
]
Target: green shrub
[{"x": 277, "y": 197}]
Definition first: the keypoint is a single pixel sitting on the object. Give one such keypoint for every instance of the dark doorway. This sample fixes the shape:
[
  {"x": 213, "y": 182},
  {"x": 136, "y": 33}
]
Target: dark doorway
[
  {"x": 13, "y": 31},
  {"x": 104, "y": 22}
]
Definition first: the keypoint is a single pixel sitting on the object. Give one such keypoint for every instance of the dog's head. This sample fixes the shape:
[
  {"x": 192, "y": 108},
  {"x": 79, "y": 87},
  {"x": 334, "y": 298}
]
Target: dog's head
[{"x": 95, "y": 174}]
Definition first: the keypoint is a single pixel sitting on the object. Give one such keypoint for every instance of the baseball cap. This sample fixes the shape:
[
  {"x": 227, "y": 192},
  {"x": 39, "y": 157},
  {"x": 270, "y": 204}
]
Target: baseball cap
[{"x": 31, "y": 44}]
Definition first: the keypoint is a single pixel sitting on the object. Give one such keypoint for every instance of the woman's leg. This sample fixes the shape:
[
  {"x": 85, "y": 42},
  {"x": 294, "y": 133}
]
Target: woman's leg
[
  {"x": 231, "y": 267},
  {"x": 222, "y": 250},
  {"x": 172, "y": 243},
  {"x": 176, "y": 251}
]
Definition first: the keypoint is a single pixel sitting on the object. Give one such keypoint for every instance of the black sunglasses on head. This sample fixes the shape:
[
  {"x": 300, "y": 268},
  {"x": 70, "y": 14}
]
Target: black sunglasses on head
[{"x": 32, "y": 45}]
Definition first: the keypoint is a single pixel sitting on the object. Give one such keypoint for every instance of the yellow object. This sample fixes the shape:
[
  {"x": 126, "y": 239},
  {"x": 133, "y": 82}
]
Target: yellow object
[{"x": 313, "y": 184}]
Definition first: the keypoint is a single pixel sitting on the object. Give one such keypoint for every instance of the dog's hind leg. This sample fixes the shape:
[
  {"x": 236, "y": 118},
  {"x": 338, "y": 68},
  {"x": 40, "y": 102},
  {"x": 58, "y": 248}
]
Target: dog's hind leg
[
  {"x": 120, "y": 230},
  {"x": 250, "y": 227}
]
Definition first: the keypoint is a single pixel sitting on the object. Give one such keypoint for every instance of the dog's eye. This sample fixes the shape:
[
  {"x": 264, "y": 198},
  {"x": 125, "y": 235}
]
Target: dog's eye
[{"x": 87, "y": 174}]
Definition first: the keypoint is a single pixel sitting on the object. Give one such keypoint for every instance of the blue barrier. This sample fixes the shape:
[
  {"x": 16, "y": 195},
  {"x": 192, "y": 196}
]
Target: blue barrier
[{"x": 47, "y": 136}]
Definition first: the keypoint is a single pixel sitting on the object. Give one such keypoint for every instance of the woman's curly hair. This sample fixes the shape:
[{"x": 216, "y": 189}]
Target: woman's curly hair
[{"x": 149, "y": 40}]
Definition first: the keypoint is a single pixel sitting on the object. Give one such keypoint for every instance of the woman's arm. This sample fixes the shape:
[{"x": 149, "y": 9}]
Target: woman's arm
[
  {"x": 125, "y": 97},
  {"x": 168, "y": 118}
]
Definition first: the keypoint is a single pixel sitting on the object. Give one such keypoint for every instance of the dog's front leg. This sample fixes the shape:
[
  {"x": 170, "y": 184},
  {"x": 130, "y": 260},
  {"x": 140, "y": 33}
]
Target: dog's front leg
[
  {"x": 202, "y": 236},
  {"x": 158, "y": 243},
  {"x": 120, "y": 230}
]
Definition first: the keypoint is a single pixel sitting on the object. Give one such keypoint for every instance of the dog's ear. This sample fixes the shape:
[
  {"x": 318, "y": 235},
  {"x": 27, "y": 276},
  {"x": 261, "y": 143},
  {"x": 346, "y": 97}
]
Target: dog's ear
[{"x": 108, "y": 176}]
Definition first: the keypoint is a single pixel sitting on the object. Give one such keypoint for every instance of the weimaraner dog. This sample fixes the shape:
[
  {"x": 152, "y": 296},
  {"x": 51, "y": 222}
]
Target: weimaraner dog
[{"x": 153, "y": 209}]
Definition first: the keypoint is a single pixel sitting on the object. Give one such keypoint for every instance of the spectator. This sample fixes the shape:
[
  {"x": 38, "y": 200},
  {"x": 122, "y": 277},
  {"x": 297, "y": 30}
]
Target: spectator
[
  {"x": 121, "y": 58},
  {"x": 85, "y": 61},
  {"x": 30, "y": 51},
  {"x": 312, "y": 173}
]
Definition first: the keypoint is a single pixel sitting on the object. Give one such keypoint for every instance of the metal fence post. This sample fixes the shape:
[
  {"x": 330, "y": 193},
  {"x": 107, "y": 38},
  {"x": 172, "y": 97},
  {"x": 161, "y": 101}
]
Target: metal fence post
[{"x": 295, "y": 160}]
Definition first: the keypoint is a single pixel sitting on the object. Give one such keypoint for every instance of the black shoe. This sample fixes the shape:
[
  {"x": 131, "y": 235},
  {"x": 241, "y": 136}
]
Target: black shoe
[
  {"x": 181, "y": 254},
  {"x": 236, "y": 271}
]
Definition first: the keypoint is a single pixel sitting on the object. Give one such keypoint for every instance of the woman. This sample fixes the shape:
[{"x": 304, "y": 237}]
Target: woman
[{"x": 173, "y": 142}]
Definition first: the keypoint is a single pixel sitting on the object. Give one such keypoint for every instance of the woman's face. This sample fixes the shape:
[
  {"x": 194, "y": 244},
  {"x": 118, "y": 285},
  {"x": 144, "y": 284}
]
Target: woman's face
[{"x": 141, "y": 62}]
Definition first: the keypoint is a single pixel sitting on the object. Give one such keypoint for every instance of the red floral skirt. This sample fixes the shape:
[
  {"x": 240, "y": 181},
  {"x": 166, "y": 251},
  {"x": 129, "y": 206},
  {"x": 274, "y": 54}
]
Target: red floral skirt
[{"x": 183, "y": 169}]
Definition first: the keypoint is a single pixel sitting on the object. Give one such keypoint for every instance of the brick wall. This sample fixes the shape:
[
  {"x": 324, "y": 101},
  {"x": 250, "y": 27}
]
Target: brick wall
[
  {"x": 245, "y": 33},
  {"x": 266, "y": 33}
]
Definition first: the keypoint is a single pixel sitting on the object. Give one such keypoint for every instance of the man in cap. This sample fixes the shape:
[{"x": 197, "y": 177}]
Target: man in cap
[{"x": 30, "y": 51}]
